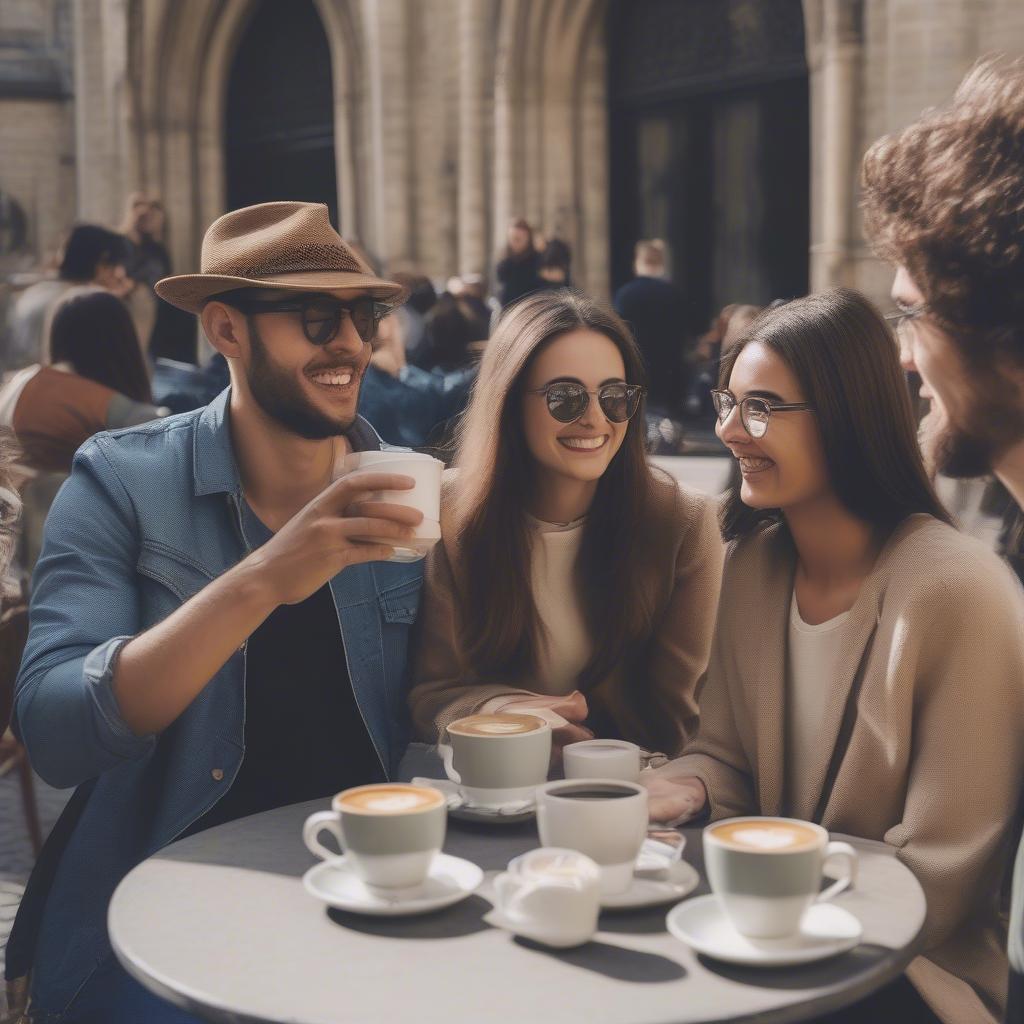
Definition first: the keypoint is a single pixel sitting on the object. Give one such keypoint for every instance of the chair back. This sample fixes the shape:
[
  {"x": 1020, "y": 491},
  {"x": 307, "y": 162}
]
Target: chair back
[{"x": 13, "y": 635}]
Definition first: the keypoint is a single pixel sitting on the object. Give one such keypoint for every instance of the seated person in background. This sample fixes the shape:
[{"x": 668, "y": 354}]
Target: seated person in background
[
  {"x": 408, "y": 404},
  {"x": 96, "y": 381},
  {"x": 412, "y": 315},
  {"x": 454, "y": 332},
  {"x": 572, "y": 579},
  {"x": 868, "y": 659},
  {"x": 554, "y": 264},
  {"x": 91, "y": 255},
  {"x": 401, "y": 414},
  {"x": 473, "y": 296}
]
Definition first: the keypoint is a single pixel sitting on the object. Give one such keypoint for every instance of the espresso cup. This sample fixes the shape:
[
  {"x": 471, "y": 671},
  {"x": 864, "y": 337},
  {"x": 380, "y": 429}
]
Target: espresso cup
[
  {"x": 426, "y": 471},
  {"x": 602, "y": 759},
  {"x": 550, "y": 895},
  {"x": 389, "y": 832},
  {"x": 497, "y": 759},
  {"x": 766, "y": 872},
  {"x": 604, "y": 818}
]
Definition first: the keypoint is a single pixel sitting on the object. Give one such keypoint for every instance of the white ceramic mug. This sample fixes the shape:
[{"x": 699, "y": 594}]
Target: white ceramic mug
[
  {"x": 390, "y": 841},
  {"x": 425, "y": 496},
  {"x": 604, "y": 818},
  {"x": 501, "y": 768},
  {"x": 767, "y": 871},
  {"x": 550, "y": 895},
  {"x": 602, "y": 759}
]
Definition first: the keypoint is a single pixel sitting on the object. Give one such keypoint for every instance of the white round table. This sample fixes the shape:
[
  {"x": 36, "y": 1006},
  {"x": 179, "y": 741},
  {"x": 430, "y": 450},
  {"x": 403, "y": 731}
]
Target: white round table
[{"x": 220, "y": 925}]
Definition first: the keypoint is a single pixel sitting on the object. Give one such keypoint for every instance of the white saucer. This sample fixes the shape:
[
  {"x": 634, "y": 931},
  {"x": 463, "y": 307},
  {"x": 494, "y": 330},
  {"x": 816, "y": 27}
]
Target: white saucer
[
  {"x": 335, "y": 882},
  {"x": 826, "y": 930},
  {"x": 651, "y": 891},
  {"x": 509, "y": 814}
]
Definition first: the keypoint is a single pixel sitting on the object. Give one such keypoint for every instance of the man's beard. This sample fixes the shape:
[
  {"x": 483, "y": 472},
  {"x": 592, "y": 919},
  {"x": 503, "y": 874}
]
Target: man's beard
[
  {"x": 996, "y": 421},
  {"x": 282, "y": 398}
]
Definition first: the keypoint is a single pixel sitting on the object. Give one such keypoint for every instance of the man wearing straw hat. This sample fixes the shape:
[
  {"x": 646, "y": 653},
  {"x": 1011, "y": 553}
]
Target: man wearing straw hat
[{"x": 208, "y": 637}]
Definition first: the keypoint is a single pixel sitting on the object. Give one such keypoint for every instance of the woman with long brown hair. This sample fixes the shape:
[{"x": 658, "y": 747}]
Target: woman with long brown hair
[
  {"x": 572, "y": 579},
  {"x": 867, "y": 664},
  {"x": 96, "y": 380}
]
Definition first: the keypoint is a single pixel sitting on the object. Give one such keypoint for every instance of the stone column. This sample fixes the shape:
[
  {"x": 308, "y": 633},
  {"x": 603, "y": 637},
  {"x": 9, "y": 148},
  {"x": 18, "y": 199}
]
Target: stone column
[
  {"x": 474, "y": 19},
  {"x": 834, "y": 60},
  {"x": 100, "y": 39},
  {"x": 508, "y": 155},
  {"x": 591, "y": 262},
  {"x": 390, "y": 180}
]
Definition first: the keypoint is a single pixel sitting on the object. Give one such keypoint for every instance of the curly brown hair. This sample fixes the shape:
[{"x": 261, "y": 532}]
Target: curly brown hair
[{"x": 944, "y": 197}]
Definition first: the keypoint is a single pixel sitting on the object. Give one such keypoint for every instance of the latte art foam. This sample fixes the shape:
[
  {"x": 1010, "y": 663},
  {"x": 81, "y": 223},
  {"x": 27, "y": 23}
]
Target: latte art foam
[
  {"x": 390, "y": 799},
  {"x": 766, "y": 837},
  {"x": 495, "y": 725}
]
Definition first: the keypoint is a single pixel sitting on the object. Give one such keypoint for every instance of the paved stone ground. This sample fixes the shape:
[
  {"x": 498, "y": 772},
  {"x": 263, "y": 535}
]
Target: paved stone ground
[{"x": 15, "y": 849}]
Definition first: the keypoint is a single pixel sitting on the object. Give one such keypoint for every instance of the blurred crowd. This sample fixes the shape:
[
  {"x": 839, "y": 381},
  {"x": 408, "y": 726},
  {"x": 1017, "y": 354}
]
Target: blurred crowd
[{"x": 88, "y": 345}]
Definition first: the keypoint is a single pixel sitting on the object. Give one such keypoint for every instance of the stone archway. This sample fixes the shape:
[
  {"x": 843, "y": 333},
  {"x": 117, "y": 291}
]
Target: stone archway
[
  {"x": 550, "y": 120},
  {"x": 279, "y": 128},
  {"x": 180, "y": 55}
]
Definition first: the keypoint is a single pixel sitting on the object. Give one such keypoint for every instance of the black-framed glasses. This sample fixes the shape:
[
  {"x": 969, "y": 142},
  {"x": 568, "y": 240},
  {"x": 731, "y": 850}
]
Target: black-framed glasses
[
  {"x": 567, "y": 401},
  {"x": 322, "y": 315},
  {"x": 754, "y": 412}
]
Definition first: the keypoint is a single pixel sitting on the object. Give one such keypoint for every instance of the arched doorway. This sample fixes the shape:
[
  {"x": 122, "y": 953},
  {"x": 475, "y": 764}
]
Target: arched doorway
[
  {"x": 279, "y": 117},
  {"x": 710, "y": 146}
]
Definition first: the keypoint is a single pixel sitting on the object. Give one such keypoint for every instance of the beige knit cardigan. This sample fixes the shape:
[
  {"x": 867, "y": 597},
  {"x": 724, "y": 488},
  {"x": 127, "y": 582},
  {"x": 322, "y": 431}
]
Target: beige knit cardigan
[
  {"x": 685, "y": 595},
  {"x": 922, "y": 741}
]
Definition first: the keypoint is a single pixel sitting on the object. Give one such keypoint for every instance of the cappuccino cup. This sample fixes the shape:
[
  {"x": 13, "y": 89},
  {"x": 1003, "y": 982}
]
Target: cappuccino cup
[
  {"x": 602, "y": 759},
  {"x": 389, "y": 832},
  {"x": 552, "y": 896},
  {"x": 606, "y": 819},
  {"x": 425, "y": 496},
  {"x": 497, "y": 759},
  {"x": 766, "y": 872}
]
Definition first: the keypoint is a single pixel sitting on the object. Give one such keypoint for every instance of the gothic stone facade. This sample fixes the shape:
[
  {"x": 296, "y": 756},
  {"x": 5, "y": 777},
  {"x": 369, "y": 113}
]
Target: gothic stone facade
[{"x": 450, "y": 116}]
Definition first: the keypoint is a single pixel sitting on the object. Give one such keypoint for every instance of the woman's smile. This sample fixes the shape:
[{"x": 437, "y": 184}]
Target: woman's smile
[{"x": 584, "y": 444}]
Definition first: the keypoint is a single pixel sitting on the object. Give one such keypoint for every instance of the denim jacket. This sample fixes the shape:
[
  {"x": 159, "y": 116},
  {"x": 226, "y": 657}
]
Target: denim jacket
[{"x": 148, "y": 517}]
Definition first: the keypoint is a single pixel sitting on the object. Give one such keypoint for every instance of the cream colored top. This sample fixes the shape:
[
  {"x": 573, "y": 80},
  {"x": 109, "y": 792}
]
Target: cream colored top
[
  {"x": 565, "y": 646},
  {"x": 812, "y": 655},
  {"x": 920, "y": 742},
  {"x": 652, "y": 701}
]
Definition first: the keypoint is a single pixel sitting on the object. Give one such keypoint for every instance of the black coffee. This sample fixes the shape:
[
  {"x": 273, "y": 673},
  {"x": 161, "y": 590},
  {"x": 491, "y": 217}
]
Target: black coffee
[{"x": 591, "y": 793}]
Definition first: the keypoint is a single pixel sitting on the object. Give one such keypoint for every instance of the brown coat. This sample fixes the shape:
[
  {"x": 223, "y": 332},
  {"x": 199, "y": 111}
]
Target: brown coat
[
  {"x": 445, "y": 687},
  {"x": 921, "y": 739}
]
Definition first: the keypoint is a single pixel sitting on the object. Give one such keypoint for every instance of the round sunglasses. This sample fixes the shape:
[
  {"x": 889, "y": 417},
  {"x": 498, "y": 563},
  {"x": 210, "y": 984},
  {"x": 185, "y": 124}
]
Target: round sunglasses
[
  {"x": 322, "y": 315},
  {"x": 568, "y": 401}
]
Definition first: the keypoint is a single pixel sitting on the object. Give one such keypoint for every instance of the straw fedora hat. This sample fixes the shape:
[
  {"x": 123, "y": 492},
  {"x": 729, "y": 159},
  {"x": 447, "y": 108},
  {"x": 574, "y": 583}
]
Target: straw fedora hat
[{"x": 276, "y": 245}]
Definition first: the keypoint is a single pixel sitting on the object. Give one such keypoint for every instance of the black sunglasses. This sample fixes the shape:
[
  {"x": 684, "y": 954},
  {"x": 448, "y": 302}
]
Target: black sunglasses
[
  {"x": 322, "y": 315},
  {"x": 568, "y": 401}
]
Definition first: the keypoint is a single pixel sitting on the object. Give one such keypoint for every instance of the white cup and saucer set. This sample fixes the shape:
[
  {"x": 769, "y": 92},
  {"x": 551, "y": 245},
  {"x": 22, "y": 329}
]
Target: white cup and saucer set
[
  {"x": 391, "y": 836},
  {"x": 493, "y": 764},
  {"x": 766, "y": 907},
  {"x": 606, "y": 819}
]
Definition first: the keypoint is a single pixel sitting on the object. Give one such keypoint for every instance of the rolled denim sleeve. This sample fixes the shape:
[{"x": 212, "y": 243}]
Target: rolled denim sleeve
[{"x": 84, "y": 610}]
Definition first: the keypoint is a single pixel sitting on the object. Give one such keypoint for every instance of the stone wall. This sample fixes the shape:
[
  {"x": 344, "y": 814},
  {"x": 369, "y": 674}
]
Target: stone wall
[
  {"x": 875, "y": 65},
  {"x": 36, "y": 128},
  {"x": 451, "y": 116}
]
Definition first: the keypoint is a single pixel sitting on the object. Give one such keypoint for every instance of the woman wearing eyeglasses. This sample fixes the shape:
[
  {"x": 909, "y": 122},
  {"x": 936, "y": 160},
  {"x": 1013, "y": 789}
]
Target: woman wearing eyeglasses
[
  {"x": 572, "y": 580},
  {"x": 868, "y": 659}
]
